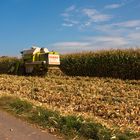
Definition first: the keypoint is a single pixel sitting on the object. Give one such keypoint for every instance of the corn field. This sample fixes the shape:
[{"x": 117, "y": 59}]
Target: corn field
[
  {"x": 124, "y": 64},
  {"x": 5, "y": 63},
  {"x": 114, "y": 103}
]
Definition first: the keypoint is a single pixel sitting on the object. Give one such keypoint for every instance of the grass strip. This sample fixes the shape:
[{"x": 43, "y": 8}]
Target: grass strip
[{"x": 69, "y": 126}]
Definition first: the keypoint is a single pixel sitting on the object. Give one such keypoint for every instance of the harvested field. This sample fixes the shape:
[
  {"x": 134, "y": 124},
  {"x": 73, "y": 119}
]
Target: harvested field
[{"x": 114, "y": 103}]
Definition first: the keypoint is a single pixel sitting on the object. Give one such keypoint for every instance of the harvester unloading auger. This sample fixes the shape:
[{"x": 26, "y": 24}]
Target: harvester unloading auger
[{"x": 37, "y": 61}]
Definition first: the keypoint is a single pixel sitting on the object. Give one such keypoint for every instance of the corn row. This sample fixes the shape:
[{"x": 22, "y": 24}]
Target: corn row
[
  {"x": 124, "y": 64},
  {"x": 5, "y": 63}
]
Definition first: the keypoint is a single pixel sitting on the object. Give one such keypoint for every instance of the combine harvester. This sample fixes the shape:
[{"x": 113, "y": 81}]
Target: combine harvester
[{"x": 37, "y": 61}]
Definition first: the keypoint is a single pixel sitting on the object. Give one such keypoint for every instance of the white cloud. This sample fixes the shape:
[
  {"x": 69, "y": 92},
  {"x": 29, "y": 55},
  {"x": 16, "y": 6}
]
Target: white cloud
[
  {"x": 69, "y": 47},
  {"x": 107, "y": 28},
  {"x": 134, "y": 36},
  {"x": 96, "y": 16},
  {"x": 118, "y": 5},
  {"x": 109, "y": 41},
  {"x": 68, "y": 11},
  {"x": 120, "y": 28},
  {"x": 68, "y": 17},
  {"x": 71, "y": 44},
  {"x": 71, "y": 21},
  {"x": 65, "y": 14},
  {"x": 92, "y": 43},
  {"x": 71, "y": 8},
  {"x": 123, "y": 34},
  {"x": 67, "y": 25},
  {"x": 113, "y": 6},
  {"x": 110, "y": 29},
  {"x": 83, "y": 17},
  {"x": 137, "y": 28},
  {"x": 128, "y": 24}
]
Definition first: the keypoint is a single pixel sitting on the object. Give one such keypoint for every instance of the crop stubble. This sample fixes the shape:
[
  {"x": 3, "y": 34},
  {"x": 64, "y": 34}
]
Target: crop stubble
[{"x": 114, "y": 103}]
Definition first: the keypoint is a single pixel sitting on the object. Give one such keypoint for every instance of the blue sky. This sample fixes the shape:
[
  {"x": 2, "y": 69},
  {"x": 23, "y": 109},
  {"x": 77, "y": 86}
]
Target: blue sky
[{"x": 68, "y": 25}]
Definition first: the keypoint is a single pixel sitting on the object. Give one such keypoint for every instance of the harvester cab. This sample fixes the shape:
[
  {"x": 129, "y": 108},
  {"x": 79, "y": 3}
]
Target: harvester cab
[{"x": 37, "y": 61}]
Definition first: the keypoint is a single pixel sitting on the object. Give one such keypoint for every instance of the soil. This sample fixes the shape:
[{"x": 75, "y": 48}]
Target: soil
[{"x": 12, "y": 128}]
